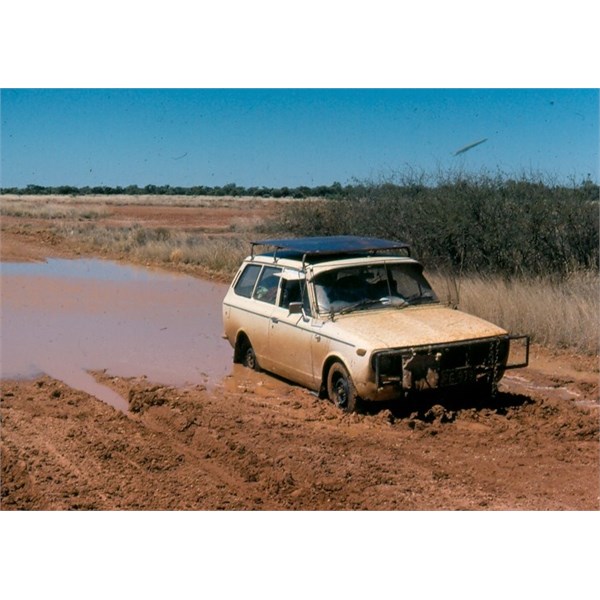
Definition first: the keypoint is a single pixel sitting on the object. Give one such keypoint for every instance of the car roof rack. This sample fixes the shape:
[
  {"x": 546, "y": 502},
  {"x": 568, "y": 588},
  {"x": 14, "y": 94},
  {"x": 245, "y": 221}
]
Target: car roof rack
[{"x": 335, "y": 244}]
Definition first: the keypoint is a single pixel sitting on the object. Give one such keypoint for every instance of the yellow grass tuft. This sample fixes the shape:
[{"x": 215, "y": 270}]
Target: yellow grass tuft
[
  {"x": 176, "y": 256},
  {"x": 558, "y": 313}
]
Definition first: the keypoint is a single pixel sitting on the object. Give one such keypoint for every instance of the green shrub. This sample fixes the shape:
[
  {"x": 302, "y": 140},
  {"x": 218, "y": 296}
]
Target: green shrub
[{"x": 471, "y": 224}]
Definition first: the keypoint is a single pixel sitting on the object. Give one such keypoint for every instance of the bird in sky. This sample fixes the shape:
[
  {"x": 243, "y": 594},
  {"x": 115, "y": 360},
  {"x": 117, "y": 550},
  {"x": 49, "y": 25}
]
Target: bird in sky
[{"x": 469, "y": 146}]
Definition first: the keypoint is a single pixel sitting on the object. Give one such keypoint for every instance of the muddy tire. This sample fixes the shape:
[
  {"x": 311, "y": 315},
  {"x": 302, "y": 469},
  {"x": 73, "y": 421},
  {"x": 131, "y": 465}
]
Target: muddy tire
[
  {"x": 249, "y": 357},
  {"x": 341, "y": 390}
]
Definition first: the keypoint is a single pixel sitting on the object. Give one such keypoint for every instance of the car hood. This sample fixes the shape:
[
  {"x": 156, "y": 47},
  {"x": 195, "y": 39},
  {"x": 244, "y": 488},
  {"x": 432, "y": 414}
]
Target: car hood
[{"x": 413, "y": 326}]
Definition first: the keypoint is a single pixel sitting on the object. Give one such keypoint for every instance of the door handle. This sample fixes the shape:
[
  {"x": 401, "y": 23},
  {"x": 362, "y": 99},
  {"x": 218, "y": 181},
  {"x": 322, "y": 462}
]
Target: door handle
[
  {"x": 317, "y": 337},
  {"x": 274, "y": 320}
]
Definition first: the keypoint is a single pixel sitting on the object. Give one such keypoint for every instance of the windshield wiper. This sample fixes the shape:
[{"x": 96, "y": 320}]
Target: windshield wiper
[
  {"x": 362, "y": 304},
  {"x": 424, "y": 298}
]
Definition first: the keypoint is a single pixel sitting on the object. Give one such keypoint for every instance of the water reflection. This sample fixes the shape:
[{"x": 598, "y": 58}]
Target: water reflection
[{"x": 67, "y": 317}]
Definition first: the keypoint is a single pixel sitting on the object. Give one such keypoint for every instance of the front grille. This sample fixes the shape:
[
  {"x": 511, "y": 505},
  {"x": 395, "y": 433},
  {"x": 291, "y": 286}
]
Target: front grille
[{"x": 441, "y": 365}]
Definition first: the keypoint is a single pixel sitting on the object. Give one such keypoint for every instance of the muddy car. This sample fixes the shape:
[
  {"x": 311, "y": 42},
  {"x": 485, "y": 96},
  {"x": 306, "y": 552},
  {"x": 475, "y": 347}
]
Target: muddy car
[{"x": 356, "y": 320}]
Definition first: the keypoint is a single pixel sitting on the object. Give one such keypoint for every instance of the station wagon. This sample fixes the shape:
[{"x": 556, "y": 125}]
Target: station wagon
[{"x": 355, "y": 319}]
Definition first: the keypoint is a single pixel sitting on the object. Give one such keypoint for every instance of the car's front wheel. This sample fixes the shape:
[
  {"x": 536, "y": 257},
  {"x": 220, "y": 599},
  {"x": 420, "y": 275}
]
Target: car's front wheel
[
  {"x": 340, "y": 388},
  {"x": 245, "y": 354},
  {"x": 249, "y": 359}
]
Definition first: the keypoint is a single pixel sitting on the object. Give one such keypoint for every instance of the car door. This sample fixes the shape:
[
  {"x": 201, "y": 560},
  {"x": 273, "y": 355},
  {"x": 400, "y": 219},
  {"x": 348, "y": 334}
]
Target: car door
[
  {"x": 248, "y": 306},
  {"x": 291, "y": 332},
  {"x": 264, "y": 299}
]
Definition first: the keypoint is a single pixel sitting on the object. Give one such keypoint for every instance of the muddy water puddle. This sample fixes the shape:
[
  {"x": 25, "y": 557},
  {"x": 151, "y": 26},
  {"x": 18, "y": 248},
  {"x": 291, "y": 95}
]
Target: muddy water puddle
[
  {"x": 556, "y": 391},
  {"x": 65, "y": 318}
]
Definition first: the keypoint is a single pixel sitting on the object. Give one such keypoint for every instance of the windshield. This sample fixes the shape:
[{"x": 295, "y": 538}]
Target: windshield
[{"x": 372, "y": 286}]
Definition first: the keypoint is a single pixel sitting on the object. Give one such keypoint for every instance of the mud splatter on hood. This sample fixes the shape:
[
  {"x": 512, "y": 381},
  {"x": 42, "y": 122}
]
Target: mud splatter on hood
[{"x": 414, "y": 326}]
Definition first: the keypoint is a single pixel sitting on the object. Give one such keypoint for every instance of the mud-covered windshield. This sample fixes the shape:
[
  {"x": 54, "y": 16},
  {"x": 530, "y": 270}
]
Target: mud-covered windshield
[{"x": 372, "y": 286}]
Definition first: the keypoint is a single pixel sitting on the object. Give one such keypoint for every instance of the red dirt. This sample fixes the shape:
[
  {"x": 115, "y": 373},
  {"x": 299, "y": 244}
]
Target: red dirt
[
  {"x": 256, "y": 442},
  {"x": 213, "y": 219}
]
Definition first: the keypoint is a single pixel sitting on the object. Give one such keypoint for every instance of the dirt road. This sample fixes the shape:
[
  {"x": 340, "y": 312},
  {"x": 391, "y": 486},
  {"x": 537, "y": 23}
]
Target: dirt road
[
  {"x": 254, "y": 442},
  {"x": 259, "y": 443}
]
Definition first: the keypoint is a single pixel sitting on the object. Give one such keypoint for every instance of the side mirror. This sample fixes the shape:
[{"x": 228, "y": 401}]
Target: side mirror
[{"x": 295, "y": 308}]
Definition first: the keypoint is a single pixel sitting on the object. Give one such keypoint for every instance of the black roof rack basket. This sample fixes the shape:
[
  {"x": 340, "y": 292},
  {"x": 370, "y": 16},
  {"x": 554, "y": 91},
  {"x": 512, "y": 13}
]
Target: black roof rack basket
[{"x": 336, "y": 244}]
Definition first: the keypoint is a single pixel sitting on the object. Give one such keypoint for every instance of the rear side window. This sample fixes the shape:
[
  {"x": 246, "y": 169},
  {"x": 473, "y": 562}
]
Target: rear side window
[
  {"x": 268, "y": 284},
  {"x": 245, "y": 284}
]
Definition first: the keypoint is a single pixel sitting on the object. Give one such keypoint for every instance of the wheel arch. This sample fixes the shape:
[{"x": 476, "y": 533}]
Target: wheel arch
[
  {"x": 329, "y": 361},
  {"x": 241, "y": 339}
]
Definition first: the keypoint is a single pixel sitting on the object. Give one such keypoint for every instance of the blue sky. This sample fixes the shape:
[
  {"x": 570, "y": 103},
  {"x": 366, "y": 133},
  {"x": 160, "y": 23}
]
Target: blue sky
[{"x": 278, "y": 137}]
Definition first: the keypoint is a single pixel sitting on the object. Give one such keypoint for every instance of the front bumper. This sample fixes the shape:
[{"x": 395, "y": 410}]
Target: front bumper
[{"x": 441, "y": 366}]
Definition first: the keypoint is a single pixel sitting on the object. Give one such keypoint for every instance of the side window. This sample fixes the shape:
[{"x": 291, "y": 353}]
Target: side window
[
  {"x": 305, "y": 298},
  {"x": 268, "y": 284},
  {"x": 245, "y": 283},
  {"x": 294, "y": 290},
  {"x": 290, "y": 292}
]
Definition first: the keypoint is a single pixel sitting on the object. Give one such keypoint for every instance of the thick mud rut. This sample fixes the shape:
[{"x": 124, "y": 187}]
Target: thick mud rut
[{"x": 256, "y": 442}]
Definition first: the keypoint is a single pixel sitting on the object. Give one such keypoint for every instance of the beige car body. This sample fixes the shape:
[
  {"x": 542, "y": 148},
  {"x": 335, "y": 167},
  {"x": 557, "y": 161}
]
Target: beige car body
[{"x": 302, "y": 346}]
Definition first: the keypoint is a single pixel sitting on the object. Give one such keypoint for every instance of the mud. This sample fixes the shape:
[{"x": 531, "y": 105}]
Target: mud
[
  {"x": 258, "y": 443},
  {"x": 249, "y": 441},
  {"x": 65, "y": 318}
]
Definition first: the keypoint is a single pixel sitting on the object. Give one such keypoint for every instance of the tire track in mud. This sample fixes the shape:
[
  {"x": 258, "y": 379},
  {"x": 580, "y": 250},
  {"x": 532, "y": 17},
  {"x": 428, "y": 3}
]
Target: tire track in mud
[
  {"x": 257, "y": 439},
  {"x": 61, "y": 478},
  {"x": 216, "y": 436},
  {"x": 225, "y": 462},
  {"x": 305, "y": 431},
  {"x": 256, "y": 442},
  {"x": 338, "y": 462}
]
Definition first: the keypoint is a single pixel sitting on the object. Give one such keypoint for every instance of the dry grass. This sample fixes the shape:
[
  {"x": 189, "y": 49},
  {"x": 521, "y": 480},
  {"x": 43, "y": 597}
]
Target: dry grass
[
  {"x": 36, "y": 208},
  {"x": 218, "y": 254},
  {"x": 556, "y": 313},
  {"x": 140, "y": 200}
]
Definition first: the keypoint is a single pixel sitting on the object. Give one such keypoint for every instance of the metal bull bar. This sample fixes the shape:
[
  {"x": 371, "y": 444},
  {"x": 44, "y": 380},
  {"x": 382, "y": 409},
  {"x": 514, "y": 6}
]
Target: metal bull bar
[
  {"x": 525, "y": 362},
  {"x": 427, "y": 361}
]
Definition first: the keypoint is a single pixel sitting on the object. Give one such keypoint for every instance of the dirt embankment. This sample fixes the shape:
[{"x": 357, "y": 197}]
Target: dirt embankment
[{"x": 256, "y": 442}]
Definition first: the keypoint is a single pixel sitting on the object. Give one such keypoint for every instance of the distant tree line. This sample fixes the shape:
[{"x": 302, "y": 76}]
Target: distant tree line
[{"x": 335, "y": 190}]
